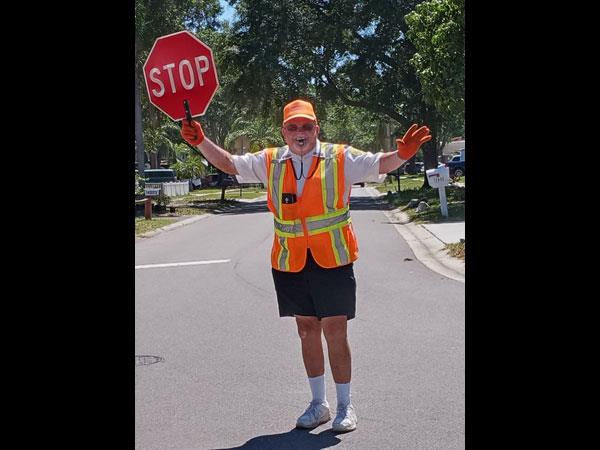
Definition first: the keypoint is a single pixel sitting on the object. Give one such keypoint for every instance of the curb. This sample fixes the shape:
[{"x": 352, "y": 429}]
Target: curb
[
  {"x": 428, "y": 249},
  {"x": 179, "y": 223}
]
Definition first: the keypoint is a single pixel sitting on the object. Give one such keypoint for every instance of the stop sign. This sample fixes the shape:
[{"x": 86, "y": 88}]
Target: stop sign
[{"x": 180, "y": 67}]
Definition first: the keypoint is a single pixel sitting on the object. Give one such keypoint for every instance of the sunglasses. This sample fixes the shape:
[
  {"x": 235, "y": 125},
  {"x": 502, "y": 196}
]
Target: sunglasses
[{"x": 294, "y": 127}]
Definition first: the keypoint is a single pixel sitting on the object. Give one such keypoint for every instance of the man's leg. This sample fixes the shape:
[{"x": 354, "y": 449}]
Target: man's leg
[
  {"x": 335, "y": 329},
  {"x": 309, "y": 330}
]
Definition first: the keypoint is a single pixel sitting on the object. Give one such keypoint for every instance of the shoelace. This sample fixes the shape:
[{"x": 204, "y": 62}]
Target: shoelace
[
  {"x": 312, "y": 409},
  {"x": 345, "y": 410}
]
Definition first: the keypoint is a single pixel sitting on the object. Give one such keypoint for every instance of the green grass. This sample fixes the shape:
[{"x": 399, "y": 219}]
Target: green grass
[
  {"x": 457, "y": 250},
  {"x": 454, "y": 195},
  {"x": 143, "y": 226},
  {"x": 407, "y": 182},
  {"x": 190, "y": 211}
]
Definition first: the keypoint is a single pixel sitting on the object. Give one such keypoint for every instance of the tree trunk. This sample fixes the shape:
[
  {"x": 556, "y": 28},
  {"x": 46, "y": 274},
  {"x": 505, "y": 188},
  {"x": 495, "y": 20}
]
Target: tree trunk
[
  {"x": 139, "y": 131},
  {"x": 430, "y": 149},
  {"x": 153, "y": 160}
]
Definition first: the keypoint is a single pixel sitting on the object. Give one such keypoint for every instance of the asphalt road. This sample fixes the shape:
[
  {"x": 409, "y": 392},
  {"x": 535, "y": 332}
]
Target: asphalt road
[{"x": 230, "y": 373}]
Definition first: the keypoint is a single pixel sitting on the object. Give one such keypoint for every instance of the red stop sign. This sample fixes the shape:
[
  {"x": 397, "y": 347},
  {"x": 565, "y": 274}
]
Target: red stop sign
[{"x": 180, "y": 67}]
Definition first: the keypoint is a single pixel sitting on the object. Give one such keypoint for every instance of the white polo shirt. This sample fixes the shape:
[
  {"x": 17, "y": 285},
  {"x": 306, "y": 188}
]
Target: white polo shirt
[{"x": 359, "y": 166}]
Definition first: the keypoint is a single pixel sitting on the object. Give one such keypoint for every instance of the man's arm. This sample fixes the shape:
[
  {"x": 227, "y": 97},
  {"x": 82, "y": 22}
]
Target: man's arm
[
  {"x": 407, "y": 147},
  {"x": 217, "y": 156},
  {"x": 390, "y": 161}
]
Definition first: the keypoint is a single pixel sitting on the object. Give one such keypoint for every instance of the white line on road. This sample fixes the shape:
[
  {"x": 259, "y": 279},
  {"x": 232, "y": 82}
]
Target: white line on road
[{"x": 190, "y": 263}]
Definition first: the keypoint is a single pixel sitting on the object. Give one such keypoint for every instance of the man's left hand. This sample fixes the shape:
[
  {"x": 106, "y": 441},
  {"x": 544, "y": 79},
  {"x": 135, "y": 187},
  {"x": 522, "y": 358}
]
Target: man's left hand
[{"x": 412, "y": 140}]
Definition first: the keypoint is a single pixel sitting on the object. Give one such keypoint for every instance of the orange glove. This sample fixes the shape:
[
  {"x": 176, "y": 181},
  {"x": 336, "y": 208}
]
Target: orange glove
[
  {"x": 412, "y": 140},
  {"x": 192, "y": 133}
]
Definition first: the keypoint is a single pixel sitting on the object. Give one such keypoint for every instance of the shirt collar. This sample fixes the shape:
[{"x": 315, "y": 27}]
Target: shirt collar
[{"x": 288, "y": 153}]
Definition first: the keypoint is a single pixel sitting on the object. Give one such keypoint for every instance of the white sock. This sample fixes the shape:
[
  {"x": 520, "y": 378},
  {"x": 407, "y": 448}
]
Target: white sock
[
  {"x": 343, "y": 393},
  {"x": 317, "y": 387}
]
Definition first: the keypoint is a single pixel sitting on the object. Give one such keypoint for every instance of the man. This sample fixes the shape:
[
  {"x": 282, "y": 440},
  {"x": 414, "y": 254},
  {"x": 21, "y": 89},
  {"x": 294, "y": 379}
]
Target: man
[{"x": 314, "y": 246}]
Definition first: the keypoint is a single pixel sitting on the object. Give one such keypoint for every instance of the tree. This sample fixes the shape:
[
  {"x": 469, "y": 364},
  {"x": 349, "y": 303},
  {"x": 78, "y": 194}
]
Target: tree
[
  {"x": 260, "y": 131},
  {"x": 155, "y": 18},
  {"x": 351, "y": 125},
  {"x": 436, "y": 28},
  {"x": 352, "y": 51}
]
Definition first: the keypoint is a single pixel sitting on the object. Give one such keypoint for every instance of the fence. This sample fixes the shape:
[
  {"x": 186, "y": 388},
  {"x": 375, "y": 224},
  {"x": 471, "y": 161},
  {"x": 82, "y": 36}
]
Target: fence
[{"x": 174, "y": 189}]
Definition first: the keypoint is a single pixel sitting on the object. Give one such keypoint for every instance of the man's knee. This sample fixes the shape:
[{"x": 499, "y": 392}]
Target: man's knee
[
  {"x": 308, "y": 327},
  {"x": 335, "y": 328}
]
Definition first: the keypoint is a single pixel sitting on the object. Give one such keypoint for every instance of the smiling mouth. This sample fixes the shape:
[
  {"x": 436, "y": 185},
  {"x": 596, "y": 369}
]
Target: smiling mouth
[{"x": 300, "y": 141}]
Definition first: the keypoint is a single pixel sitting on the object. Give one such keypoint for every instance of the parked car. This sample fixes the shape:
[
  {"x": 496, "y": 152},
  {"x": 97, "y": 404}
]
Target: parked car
[
  {"x": 456, "y": 165},
  {"x": 159, "y": 175},
  {"x": 215, "y": 180},
  {"x": 412, "y": 168},
  {"x": 195, "y": 183}
]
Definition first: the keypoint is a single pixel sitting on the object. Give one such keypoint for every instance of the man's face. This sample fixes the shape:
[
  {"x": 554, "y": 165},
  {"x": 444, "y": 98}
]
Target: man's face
[{"x": 300, "y": 135}]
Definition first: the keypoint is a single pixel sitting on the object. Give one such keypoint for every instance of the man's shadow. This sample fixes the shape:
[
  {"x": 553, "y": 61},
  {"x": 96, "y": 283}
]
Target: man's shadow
[{"x": 293, "y": 439}]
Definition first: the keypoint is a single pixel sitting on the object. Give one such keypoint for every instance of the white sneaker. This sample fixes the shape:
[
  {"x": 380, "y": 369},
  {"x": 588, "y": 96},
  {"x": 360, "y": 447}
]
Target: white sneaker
[
  {"x": 345, "y": 420},
  {"x": 315, "y": 415}
]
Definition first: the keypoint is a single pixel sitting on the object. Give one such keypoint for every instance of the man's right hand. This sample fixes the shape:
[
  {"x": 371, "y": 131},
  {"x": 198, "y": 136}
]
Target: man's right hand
[{"x": 193, "y": 133}]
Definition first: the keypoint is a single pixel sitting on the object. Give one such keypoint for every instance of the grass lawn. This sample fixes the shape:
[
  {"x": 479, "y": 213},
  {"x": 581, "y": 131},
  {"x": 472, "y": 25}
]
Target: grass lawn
[
  {"x": 143, "y": 226},
  {"x": 410, "y": 188},
  {"x": 457, "y": 250}
]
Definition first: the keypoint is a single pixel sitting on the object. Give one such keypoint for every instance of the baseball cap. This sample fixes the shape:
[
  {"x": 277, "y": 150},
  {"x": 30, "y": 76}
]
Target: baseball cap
[{"x": 298, "y": 108}]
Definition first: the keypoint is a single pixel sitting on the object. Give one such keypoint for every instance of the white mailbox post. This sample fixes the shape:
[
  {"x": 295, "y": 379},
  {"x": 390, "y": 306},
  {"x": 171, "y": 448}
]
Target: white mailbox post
[{"x": 439, "y": 178}]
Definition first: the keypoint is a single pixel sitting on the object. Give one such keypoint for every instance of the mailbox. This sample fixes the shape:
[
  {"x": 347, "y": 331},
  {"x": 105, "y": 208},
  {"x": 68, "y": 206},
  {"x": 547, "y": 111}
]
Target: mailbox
[
  {"x": 152, "y": 189},
  {"x": 438, "y": 177}
]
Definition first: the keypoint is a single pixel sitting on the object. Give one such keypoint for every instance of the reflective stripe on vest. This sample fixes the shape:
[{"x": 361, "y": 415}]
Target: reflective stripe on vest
[
  {"x": 284, "y": 256},
  {"x": 288, "y": 228},
  {"x": 333, "y": 220},
  {"x": 329, "y": 187},
  {"x": 314, "y": 224},
  {"x": 276, "y": 176}
]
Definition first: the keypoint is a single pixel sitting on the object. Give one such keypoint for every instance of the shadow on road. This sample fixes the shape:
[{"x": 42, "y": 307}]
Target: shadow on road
[
  {"x": 244, "y": 208},
  {"x": 356, "y": 203},
  {"x": 370, "y": 203},
  {"x": 293, "y": 439}
]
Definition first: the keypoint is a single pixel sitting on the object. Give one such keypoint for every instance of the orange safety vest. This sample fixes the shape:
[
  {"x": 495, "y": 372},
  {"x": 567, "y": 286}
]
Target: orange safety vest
[{"x": 319, "y": 219}]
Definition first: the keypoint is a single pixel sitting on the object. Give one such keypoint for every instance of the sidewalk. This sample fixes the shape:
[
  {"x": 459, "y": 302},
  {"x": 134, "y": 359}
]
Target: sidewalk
[
  {"x": 428, "y": 241},
  {"x": 448, "y": 233}
]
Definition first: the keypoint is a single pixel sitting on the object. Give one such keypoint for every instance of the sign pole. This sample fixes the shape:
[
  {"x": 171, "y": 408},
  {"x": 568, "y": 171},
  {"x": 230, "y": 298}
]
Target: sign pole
[{"x": 148, "y": 208}]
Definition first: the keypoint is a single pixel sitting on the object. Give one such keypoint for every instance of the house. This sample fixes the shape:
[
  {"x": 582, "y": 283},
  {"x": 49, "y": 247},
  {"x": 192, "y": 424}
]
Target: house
[{"x": 456, "y": 145}]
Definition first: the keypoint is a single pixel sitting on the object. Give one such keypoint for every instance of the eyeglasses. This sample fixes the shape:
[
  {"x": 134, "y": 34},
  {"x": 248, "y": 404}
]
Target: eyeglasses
[{"x": 294, "y": 127}]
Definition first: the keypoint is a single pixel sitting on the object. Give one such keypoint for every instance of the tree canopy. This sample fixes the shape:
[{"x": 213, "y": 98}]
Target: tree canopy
[{"x": 372, "y": 68}]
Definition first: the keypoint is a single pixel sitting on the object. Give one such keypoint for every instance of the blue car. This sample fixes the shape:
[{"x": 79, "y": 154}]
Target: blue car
[{"x": 456, "y": 166}]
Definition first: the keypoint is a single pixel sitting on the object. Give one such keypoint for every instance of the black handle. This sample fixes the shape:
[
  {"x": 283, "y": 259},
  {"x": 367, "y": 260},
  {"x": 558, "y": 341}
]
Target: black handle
[{"x": 188, "y": 114}]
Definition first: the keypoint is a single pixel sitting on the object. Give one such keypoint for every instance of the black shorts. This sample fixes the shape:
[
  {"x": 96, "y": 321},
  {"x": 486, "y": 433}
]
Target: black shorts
[{"x": 315, "y": 291}]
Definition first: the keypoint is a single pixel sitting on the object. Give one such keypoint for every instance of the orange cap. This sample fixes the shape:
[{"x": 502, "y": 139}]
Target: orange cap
[{"x": 298, "y": 108}]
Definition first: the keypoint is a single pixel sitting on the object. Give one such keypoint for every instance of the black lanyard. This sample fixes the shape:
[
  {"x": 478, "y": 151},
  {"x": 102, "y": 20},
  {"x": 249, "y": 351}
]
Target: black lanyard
[{"x": 302, "y": 166}]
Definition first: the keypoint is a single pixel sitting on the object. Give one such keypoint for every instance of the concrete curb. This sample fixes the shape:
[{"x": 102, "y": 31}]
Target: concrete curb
[
  {"x": 172, "y": 226},
  {"x": 181, "y": 223},
  {"x": 426, "y": 246}
]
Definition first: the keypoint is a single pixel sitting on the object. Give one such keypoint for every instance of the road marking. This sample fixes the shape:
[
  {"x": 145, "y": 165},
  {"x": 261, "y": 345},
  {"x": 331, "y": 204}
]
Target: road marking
[{"x": 190, "y": 263}]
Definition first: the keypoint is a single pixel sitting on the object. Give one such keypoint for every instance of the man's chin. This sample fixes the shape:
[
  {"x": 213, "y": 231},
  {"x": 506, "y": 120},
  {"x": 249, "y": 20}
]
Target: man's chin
[{"x": 301, "y": 149}]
